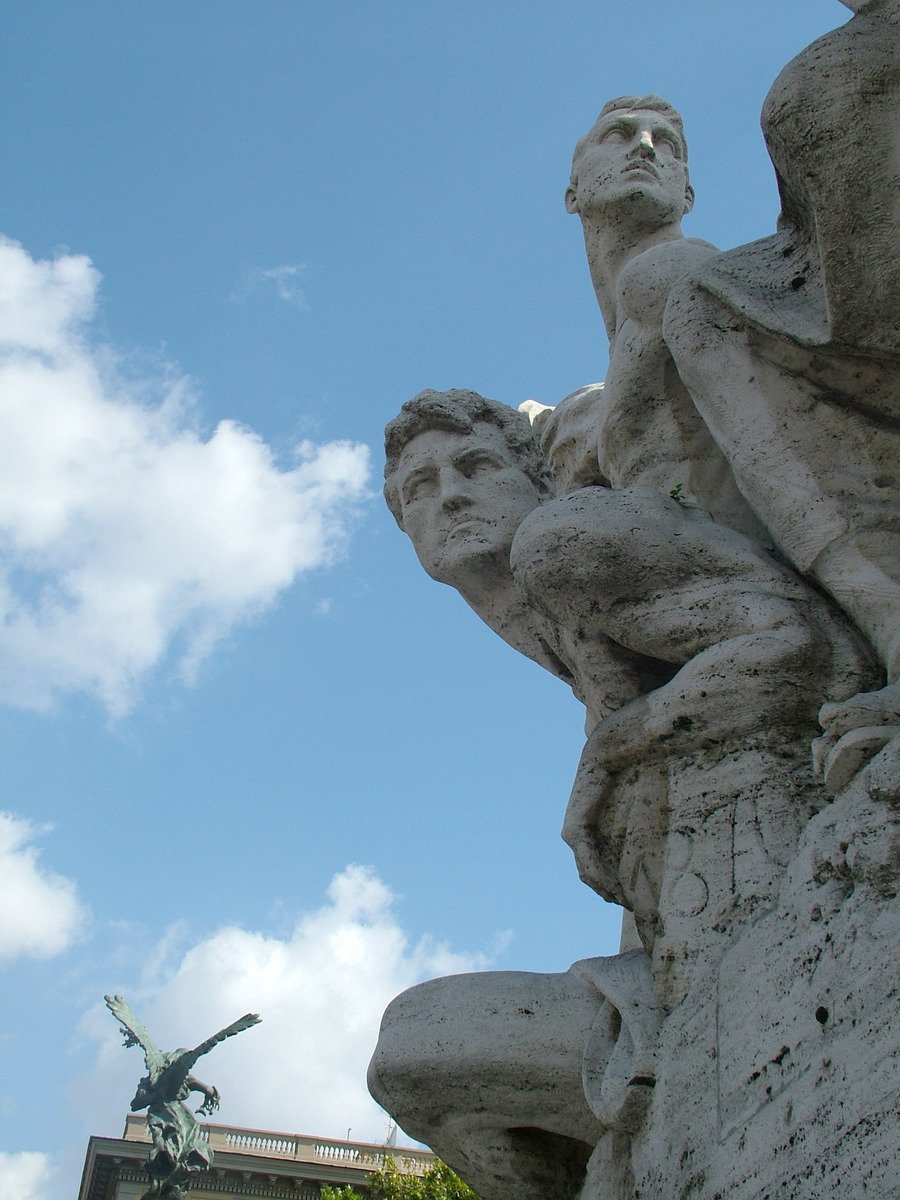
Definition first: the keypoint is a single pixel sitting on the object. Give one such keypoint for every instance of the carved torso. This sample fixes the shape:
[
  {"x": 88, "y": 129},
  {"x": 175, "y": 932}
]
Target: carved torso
[{"x": 650, "y": 433}]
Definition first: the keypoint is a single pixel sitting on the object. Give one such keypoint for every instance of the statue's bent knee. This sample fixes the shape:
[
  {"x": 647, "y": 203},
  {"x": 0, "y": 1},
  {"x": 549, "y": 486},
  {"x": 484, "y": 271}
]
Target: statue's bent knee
[{"x": 503, "y": 1042}]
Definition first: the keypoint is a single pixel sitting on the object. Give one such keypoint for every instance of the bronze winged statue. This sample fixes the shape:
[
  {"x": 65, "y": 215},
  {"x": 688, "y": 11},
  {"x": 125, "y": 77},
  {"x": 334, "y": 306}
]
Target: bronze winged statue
[{"x": 178, "y": 1150}]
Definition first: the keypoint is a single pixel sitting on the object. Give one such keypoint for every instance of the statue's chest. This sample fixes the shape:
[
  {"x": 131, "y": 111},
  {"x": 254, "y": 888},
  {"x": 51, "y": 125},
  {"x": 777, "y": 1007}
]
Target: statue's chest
[{"x": 639, "y": 424}]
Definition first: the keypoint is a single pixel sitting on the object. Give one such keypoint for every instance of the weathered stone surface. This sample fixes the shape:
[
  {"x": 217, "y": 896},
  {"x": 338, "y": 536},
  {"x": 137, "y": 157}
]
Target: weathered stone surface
[{"x": 706, "y": 549}]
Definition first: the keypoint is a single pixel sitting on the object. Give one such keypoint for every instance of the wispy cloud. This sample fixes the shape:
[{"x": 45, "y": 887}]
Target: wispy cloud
[
  {"x": 321, "y": 991},
  {"x": 280, "y": 280},
  {"x": 124, "y": 533},
  {"x": 40, "y": 914}
]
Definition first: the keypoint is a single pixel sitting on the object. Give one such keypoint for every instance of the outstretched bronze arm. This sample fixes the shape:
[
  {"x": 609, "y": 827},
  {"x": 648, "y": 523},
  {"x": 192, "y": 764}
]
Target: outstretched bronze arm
[{"x": 211, "y": 1094}]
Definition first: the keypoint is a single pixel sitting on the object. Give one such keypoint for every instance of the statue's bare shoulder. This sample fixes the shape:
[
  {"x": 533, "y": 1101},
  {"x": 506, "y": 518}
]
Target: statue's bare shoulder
[{"x": 646, "y": 282}]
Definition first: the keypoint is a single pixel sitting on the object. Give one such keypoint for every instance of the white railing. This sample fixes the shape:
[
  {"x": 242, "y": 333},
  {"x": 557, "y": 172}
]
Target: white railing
[{"x": 300, "y": 1147}]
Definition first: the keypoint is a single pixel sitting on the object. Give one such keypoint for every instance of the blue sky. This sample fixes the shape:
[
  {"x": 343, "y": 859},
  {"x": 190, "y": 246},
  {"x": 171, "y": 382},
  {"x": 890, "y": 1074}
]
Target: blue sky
[{"x": 225, "y": 681}]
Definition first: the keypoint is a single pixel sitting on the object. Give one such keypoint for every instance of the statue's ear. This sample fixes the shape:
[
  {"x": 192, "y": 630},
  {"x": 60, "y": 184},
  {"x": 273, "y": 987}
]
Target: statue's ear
[
  {"x": 688, "y": 199},
  {"x": 571, "y": 202}
]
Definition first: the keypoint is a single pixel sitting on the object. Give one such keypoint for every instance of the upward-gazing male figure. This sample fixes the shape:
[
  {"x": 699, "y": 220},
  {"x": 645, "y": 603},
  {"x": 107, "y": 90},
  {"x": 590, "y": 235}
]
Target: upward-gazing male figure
[
  {"x": 696, "y": 401},
  {"x": 630, "y": 187}
]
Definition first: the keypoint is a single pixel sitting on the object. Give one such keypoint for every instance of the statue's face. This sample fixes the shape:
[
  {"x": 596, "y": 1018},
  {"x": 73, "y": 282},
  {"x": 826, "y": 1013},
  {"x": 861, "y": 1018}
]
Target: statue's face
[
  {"x": 462, "y": 496},
  {"x": 632, "y": 167}
]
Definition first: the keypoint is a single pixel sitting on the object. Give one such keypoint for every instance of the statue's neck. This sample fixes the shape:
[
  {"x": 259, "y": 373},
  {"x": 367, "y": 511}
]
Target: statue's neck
[
  {"x": 609, "y": 249},
  {"x": 504, "y": 608}
]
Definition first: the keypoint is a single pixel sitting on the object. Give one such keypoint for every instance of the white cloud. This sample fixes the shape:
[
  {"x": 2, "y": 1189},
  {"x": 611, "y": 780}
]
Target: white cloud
[
  {"x": 24, "y": 1176},
  {"x": 284, "y": 281},
  {"x": 123, "y": 532},
  {"x": 320, "y": 990},
  {"x": 40, "y": 914}
]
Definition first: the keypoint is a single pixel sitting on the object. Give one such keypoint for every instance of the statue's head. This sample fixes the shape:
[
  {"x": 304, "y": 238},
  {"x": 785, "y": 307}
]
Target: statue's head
[
  {"x": 631, "y": 165},
  {"x": 461, "y": 474}
]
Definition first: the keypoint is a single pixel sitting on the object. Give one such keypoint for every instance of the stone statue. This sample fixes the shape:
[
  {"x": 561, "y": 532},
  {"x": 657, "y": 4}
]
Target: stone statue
[
  {"x": 630, "y": 189},
  {"x": 517, "y": 1078},
  {"x": 178, "y": 1150},
  {"x": 566, "y": 581},
  {"x": 782, "y": 357},
  {"x": 802, "y": 330},
  {"x": 704, "y": 548},
  {"x": 678, "y": 634}
]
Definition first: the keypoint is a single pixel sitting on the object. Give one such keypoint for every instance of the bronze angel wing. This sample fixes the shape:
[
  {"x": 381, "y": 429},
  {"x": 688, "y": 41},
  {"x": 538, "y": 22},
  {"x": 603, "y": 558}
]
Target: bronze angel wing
[
  {"x": 136, "y": 1034},
  {"x": 244, "y": 1022}
]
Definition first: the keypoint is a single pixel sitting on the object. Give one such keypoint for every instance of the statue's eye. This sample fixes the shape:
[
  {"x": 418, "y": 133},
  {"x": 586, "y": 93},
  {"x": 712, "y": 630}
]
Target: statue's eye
[
  {"x": 472, "y": 464},
  {"x": 418, "y": 486},
  {"x": 616, "y": 134}
]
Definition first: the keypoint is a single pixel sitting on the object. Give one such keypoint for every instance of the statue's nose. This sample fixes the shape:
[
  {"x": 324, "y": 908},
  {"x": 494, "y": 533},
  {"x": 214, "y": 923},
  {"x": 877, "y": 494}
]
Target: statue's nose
[
  {"x": 454, "y": 490},
  {"x": 645, "y": 146}
]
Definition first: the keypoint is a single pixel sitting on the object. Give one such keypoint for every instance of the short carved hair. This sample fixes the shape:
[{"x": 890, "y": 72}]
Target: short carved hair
[
  {"x": 458, "y": 411},
  {"x": 649, "y": 103}
]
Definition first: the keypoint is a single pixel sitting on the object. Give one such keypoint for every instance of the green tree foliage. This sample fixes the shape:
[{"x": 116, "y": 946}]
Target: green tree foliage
[{"x": 438, "y": 1183}]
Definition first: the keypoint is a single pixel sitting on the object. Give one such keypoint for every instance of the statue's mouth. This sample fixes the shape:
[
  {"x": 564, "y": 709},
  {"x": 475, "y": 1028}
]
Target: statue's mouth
[
  {"x": 644, "y": 167},
  {"x": 466, "y": 525}
]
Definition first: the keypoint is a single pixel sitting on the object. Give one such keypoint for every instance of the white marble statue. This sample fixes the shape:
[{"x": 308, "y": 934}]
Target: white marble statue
[
  {"x": 784, "y": 353},
  {"x": 790, "y": 348},
  {"x": 679, "y": 634},
  {"x": 705, "y": 549}
]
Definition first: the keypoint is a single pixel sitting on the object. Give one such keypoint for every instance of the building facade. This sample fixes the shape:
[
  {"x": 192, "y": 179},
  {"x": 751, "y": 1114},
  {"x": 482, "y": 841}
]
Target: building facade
[{"x": 248, "y": 1163}]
